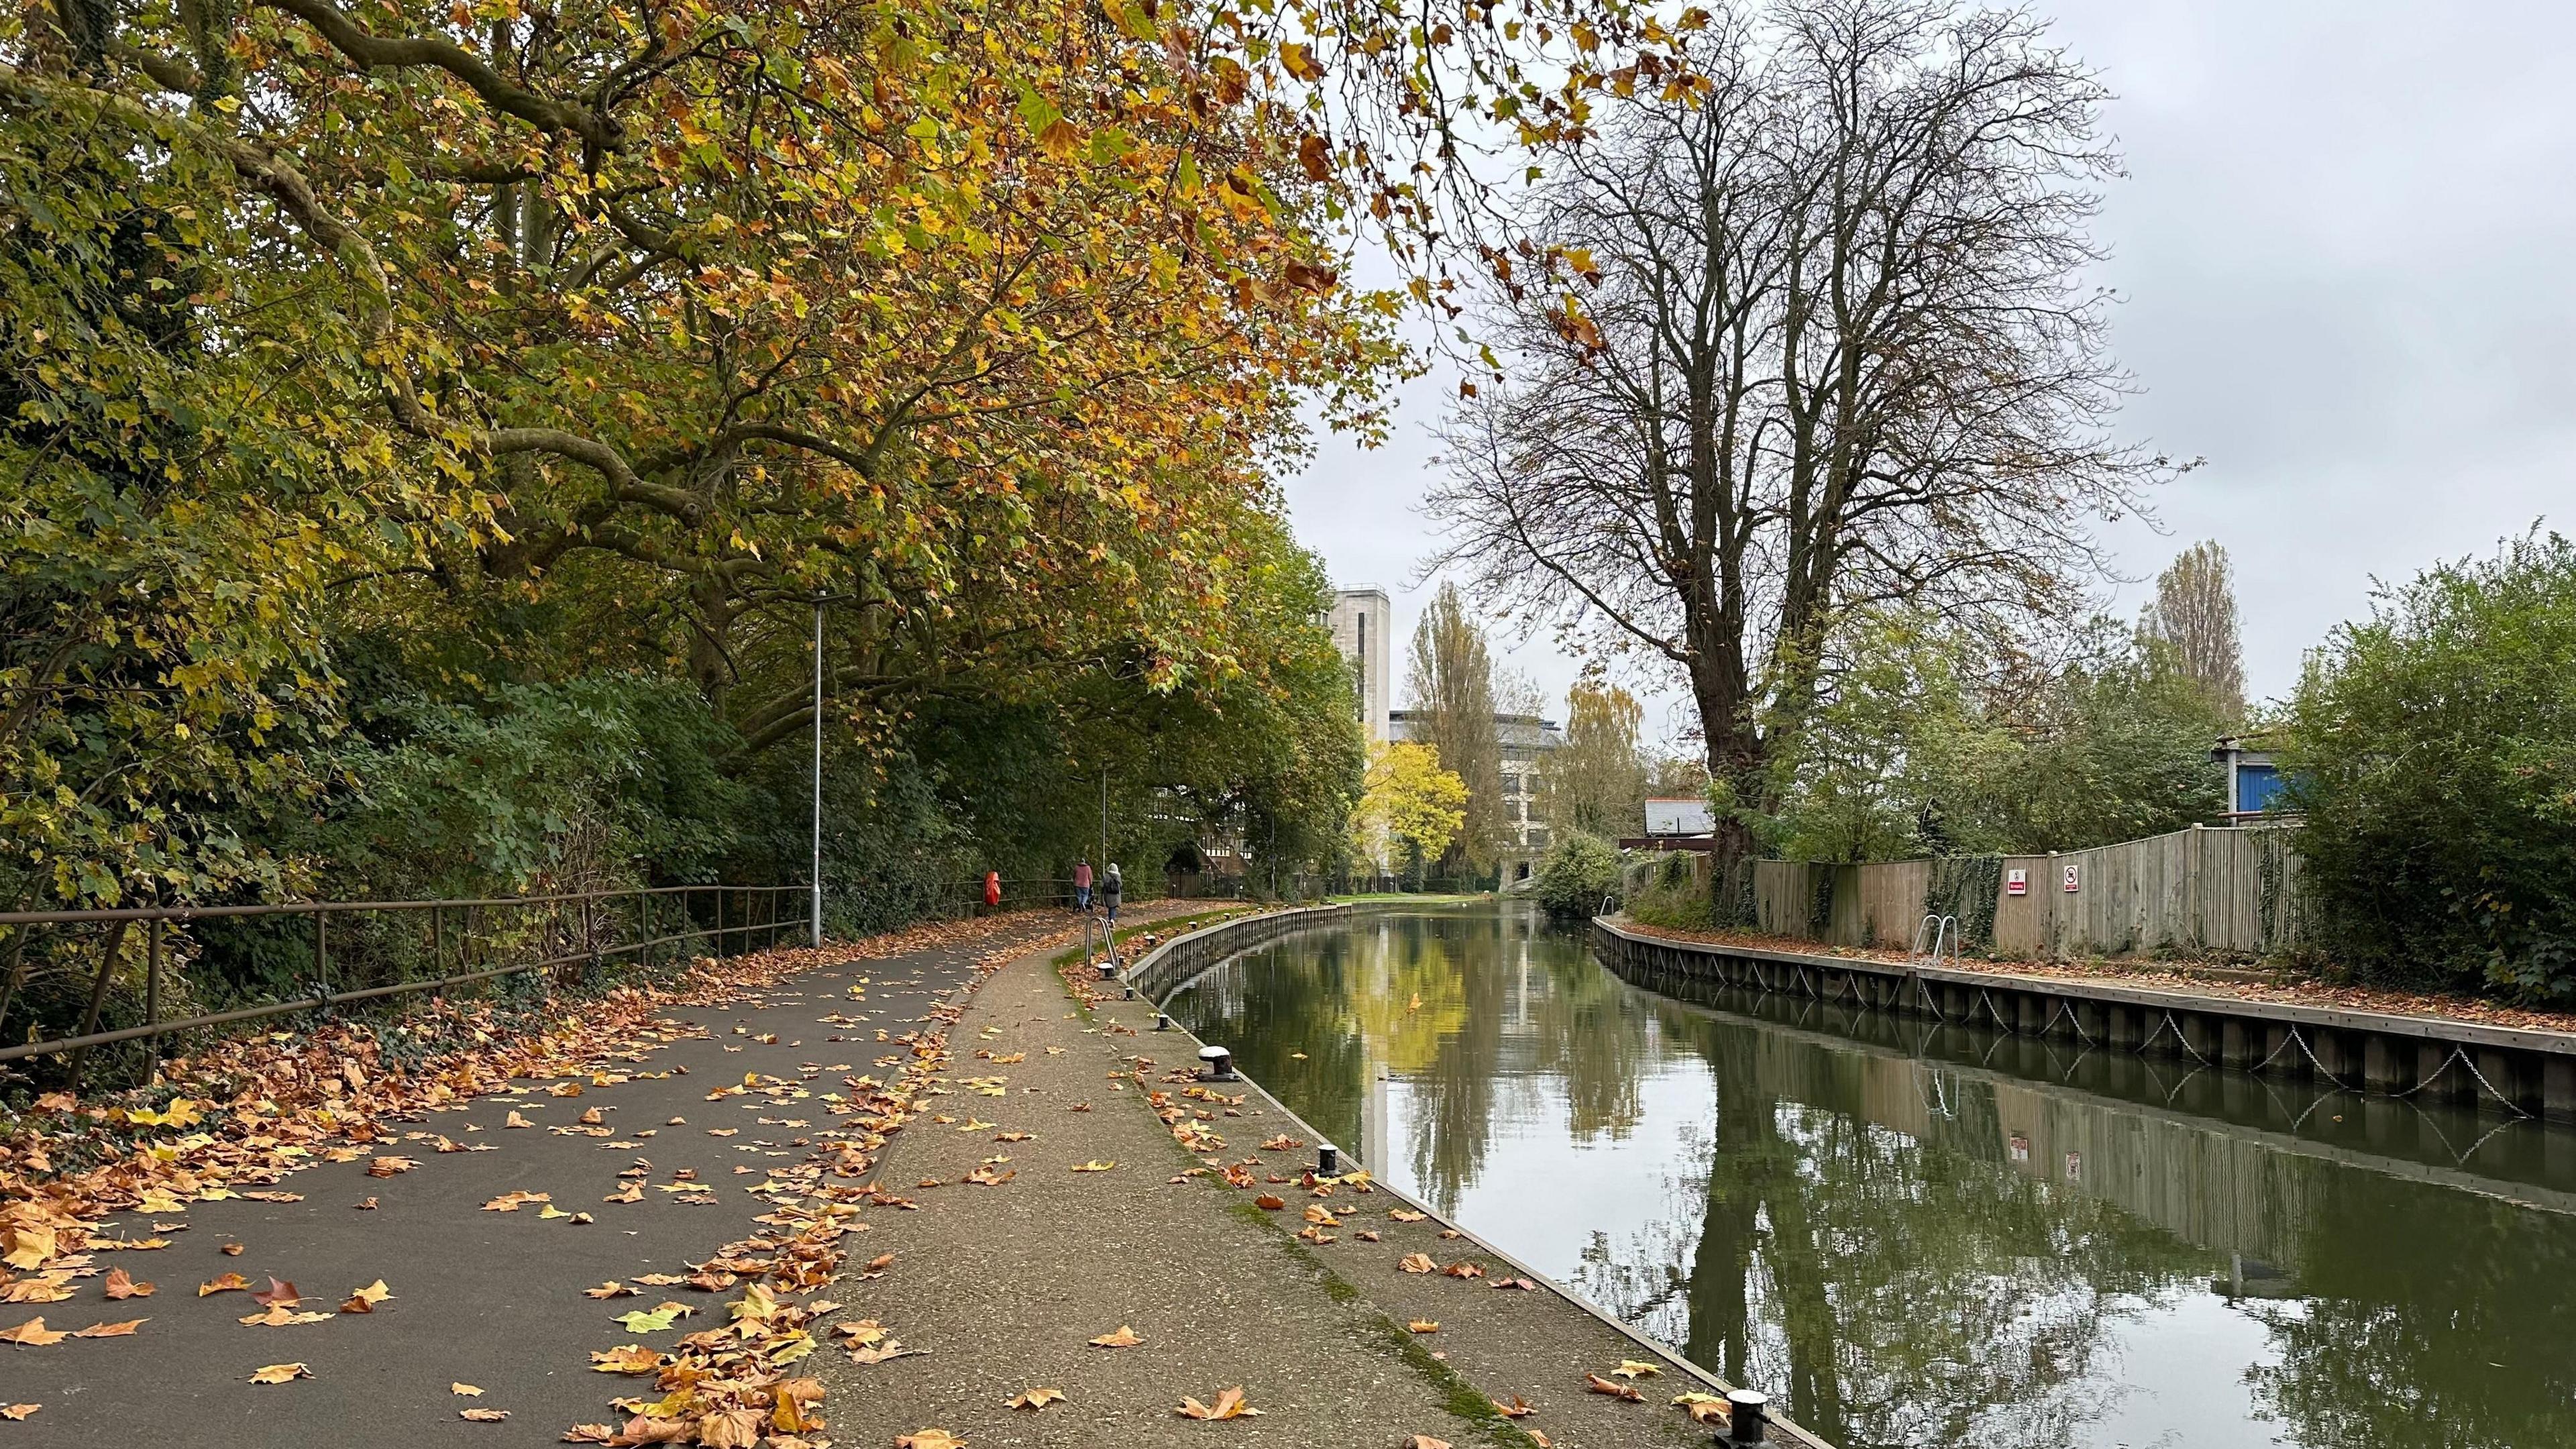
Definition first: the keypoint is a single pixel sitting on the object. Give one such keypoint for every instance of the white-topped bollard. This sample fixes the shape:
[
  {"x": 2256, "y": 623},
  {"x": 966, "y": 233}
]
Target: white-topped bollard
[
  {"x": 1162, "y": 1022},
  {"x": 1747, "y": 1410},
  {"x": 1328, "y": 1160},
  {"x": 1217, "y": 1062}
]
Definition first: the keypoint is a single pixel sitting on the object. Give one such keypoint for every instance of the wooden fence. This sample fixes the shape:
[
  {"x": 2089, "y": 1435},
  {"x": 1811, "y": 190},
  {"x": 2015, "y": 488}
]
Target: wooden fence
[{"x": 2206, "y": 890}]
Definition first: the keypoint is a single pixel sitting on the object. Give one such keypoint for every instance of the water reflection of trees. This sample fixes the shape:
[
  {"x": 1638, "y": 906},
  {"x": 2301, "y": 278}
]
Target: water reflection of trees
[{"x": 1857, "y": 1240}]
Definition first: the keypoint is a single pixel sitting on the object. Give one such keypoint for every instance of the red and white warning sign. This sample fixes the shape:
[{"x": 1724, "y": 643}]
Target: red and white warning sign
[
  {"x": 2073, "y": 882},
  {"x": 2016, "y": 882}
]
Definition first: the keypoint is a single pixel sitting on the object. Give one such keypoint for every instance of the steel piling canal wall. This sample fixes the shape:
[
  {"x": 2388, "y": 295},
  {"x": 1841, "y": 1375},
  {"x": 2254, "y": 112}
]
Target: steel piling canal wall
[{"x": 2518, "y": 1071}]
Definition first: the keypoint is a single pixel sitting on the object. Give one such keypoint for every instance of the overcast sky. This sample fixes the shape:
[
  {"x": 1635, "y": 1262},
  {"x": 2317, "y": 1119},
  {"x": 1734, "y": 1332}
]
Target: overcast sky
[{"x": 2346, "y": 245}]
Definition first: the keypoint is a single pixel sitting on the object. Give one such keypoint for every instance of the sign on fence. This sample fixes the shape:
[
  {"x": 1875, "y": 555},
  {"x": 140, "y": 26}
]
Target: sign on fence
[{"x": 2017, "y": 882}]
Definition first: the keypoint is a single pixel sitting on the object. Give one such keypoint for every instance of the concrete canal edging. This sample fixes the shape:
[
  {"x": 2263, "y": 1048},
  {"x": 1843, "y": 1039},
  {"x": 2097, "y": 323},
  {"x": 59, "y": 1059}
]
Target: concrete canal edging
[
  {"x": 2526, "y": 1072},
  {"x": 1162, "y": 971}
]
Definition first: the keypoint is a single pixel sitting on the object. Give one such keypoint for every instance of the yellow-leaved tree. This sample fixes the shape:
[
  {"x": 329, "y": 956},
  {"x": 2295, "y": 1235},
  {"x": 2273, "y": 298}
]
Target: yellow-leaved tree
[{"x": 1409, "y": 810}]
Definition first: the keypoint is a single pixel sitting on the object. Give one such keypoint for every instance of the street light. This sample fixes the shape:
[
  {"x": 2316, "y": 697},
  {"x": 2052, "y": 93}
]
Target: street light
[{"x": 816, "y": 875}]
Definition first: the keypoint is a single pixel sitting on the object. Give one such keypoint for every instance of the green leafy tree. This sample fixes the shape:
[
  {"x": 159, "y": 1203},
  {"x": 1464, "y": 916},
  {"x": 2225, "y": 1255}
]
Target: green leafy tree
[
  {"x": 2433, "y": 747},
  {"x": 1578, "y": 870},
  {"x": 1451, "y": 685},
  {"x": 1596, "y": 782}
]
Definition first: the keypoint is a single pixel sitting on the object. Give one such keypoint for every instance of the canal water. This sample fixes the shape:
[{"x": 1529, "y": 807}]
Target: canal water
[{"x": 1912, "y": 1234}]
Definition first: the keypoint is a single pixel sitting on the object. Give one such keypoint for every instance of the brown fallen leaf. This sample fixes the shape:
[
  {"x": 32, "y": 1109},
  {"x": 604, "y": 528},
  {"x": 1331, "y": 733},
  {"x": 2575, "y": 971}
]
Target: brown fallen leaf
[
  {"x": 515, "y": 1120},
  {"x": 389, "y": 1166},
  {"x": 928, "y": 1439},
  {"x": 593, "y": 1117},
  {"x": 1703, "y": 1408},
  {"x": 232, "y": 1250},
  {"x": 1417, "y": 1263},
  {"x": 1424, "y": 1325},
  {"x": 364, "y": 1300},
  {"x": 1036, "y": 1398},
  {"x": 1614, "y": 1389},
  {"x": 262, "y": 1195},
  {"x": 1270, "y": 1202},
  {"x": 875, "y": 1267},
  {"x": 1406, "y": 1215},
  {"x": 229, "y": 1283},
  {"x": 32, "y": 1334},
  {"x": 366, "y": 1205},
  {"x": 1229, "y": 1405},
  {"x": 1365, "y": 1236},
  {"x": 277, "y": 1294},
  {"x": 1518, "y": 1408},
  {"x": 873, "y": 1354},
  {"x": 465, "y": 1391},
  {"x": 491, "y": 1416},
  {"x": 281, "y": 1316},
  {"x": 608, "y": 1290},
  {"x": 1424, "y": 1441},
  {"x": 110, "y": 1330},
  {"x": 1095, "y": 1165},
  {"x": 1464, "y": 1269},
  {"x": 630, "y": 1359},
  {"x": 1125, "y": 1337},
  {"x": 121, "y": 1286},
  {"x": 16, "y": 1412},
  {"x": 590, "y": 1434},
  {"x": 278, "y": 1373},
  {"x": 1321, "y": 1216},
  {"x": 1636, "y": 1368},
  {"x": 1523, "y": 1284}
]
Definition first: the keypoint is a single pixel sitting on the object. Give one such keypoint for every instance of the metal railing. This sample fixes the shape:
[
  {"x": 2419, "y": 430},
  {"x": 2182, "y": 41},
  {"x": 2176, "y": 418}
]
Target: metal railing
[{"x": 421, "y": 945}]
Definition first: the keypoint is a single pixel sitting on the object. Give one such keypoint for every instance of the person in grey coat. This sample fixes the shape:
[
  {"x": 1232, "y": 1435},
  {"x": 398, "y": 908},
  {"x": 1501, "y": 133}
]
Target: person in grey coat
[{"x": 1112, "y": 886}]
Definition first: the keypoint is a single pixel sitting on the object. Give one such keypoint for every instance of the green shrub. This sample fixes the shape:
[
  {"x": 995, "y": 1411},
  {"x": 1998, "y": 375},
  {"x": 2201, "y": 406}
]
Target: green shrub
[
  {"x": 1577, "y": 872},
  {"x": 2434, "y": 750}
]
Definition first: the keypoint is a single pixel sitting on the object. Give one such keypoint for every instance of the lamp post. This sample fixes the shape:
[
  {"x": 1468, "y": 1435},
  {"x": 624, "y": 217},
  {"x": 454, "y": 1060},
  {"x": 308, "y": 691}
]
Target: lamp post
[{"x": 816, "y": 871}]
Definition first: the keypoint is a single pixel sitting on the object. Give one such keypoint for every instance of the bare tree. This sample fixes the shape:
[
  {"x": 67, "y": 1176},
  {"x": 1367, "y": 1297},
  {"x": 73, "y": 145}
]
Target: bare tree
[
  {"x": 1829, "y": 349},
  {"x": 1450, "y": 688},
  {"x": 2193, "y": 623}
]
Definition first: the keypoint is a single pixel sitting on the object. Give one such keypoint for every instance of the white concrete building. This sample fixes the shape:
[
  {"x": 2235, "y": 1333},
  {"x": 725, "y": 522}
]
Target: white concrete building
[{"x": 1363, "y": 625}]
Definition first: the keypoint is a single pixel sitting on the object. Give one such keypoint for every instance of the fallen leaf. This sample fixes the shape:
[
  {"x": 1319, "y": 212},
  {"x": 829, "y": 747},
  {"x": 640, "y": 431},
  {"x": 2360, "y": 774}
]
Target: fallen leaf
[
  {"x": 655, "y": 1321},
  {"x": 1600, "y": 1385},
  {"x": 608, "y": 1290},
  {"x": 388, "y": 1166},
  {"x": 281, "y": 1316},
  {"x": 121, "y": 1285},
  {"x": 1425, "y": 1441},
  {"x": 109, "y": 1330},
  {"x": 1229, "y": 1405},
  {"x": 490, "y": 1416},
  {"x": 32, "y": 1334},
  {"x": 1417, "y": 1263},
  {"x": 1703, "y": 1408},
  {"x": 1518, "y": 1408},
  {"x": 1125, "y": 1337},
  {"x": 1366, "y": 1236},
  {"x": 630, "y": 1359},
  {"x": 593, "y": 1117},
  {"x": 518, "y": 1121},
  {"x": 467, "y": 1390},
  {"x": 1636, "y": 1368},
  {"x": 1424, "y": 1325},
  {"x": 233, "y": 1250},
  {"x": 1524, "y": 1284},
  {"x": 1406, "y": 1215},
  {"x": 277, "y": 1294},
  {"x": 1269, "y": 1202},
  {"x": 928, "y": 1439},
  {"x": 16, "y": 1412},
  {"x": 229, "y": 1283},
  {"x": 1093, "y": 1166},
  {"x": 1464, "y": 1269},
  {"x": 278, "y": 1373},
  {"x": 880, "y": 1353},
  {"x": 366, "y": 1205},
  {"x": 1036, "y": 1398}
]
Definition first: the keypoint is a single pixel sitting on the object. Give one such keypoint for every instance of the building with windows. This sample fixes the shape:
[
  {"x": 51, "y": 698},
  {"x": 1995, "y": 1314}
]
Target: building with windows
[{"x": 1527, "y": 741}]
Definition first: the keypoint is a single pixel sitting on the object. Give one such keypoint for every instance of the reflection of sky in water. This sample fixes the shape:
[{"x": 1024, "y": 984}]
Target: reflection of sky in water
[{"x": 1889, "y": 1242}]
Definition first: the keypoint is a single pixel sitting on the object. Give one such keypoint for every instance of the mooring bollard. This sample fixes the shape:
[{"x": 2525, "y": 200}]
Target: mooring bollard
[
  {"x": 1328, "y": 1160},
  {"x": 1745, "y": 1415},
  {"x": 1219, "y": 1063},
  {"x": 1162, "y": 1022}
]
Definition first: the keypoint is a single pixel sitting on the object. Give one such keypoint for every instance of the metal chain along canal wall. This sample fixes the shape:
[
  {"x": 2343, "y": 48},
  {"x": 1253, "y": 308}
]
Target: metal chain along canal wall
[{"x": 2518, "y": 1071}]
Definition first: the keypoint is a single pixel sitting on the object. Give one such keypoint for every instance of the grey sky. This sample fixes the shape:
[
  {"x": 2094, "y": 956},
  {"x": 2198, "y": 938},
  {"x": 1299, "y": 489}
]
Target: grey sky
[{"x": 2346, "y": 245}]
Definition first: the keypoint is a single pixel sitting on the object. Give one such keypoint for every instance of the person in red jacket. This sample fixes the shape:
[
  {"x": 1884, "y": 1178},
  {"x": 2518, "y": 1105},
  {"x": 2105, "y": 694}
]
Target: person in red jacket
[
  {"x": 1082, "y": 885},
  {"x": 992, "y": 888}
]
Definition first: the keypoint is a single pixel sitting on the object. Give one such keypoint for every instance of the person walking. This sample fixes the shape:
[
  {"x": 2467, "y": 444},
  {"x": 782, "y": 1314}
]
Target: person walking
[
  {"x": 1082, "y": 884},
  {"x": 1112, "y": 886}
]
